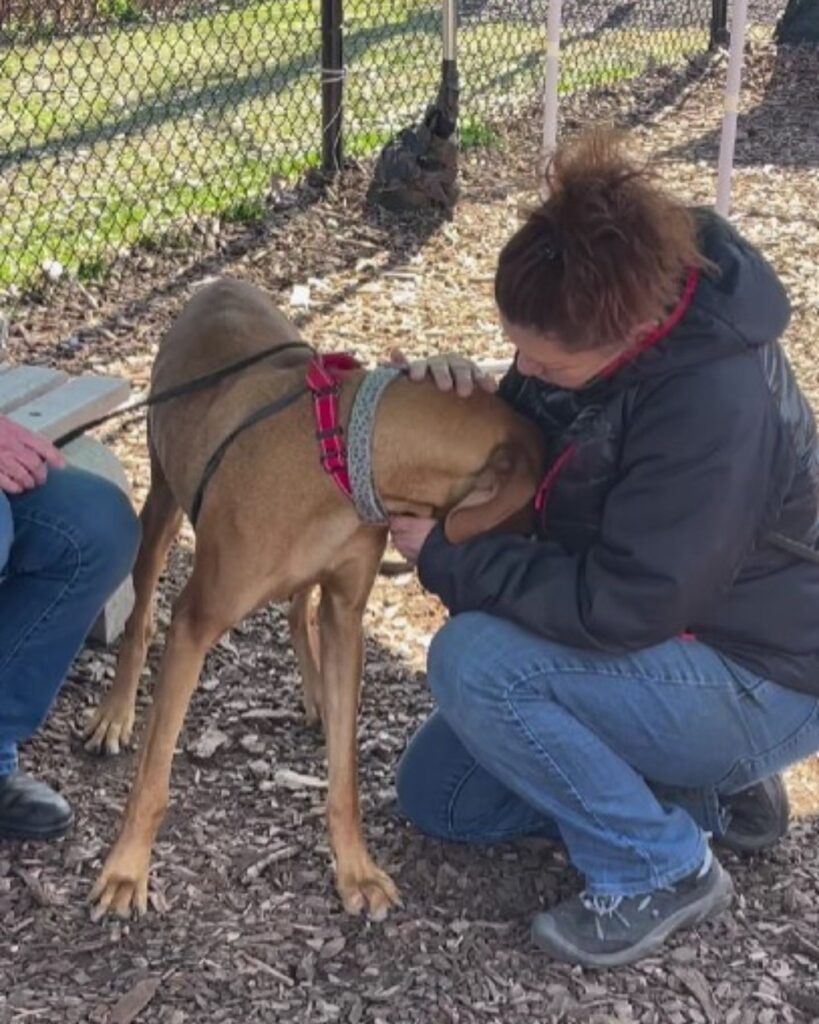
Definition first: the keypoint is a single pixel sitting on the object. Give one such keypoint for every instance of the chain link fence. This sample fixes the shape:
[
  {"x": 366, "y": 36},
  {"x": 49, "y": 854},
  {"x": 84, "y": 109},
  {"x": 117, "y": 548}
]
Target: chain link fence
[{"x": 124, "y": 120}]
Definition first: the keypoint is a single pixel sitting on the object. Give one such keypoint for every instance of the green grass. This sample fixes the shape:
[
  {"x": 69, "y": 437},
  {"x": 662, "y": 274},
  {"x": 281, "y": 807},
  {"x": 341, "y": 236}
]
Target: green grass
[{"x": 122, "y": 136}]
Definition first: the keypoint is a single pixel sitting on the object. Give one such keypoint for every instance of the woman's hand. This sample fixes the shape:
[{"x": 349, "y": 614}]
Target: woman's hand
[
  {"x": 24, "y": 458},
  {"x": 409, "y": 534},
  {"x": 448, "y": 371}
]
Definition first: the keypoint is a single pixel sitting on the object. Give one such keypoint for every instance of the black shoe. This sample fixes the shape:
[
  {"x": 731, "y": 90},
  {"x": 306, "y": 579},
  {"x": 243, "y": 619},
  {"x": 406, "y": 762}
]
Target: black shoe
[
  {"x": 607, "y": 931},
  {"x": 758, "y": 816},
  {"x": 31, "y": 810}
]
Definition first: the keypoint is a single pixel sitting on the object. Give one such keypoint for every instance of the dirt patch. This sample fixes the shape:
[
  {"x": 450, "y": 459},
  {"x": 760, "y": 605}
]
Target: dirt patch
[{"x": 252, "y": 929}]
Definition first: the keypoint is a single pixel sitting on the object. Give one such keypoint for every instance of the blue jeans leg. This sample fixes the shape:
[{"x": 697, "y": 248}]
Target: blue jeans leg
[
  {"x": 74, "y": 541},
  {"x": 626, "y": 753},
  {"x": 446, "y": 793}
]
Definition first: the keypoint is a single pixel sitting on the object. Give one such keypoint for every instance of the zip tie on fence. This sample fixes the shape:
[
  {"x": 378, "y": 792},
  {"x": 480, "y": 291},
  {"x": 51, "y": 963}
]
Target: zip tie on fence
[{"x": 330, "y": 76}]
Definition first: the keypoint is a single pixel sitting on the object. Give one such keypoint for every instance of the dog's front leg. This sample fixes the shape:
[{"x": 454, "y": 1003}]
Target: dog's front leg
[
  {"x": 361, "y": 883},
  {"x": 123, "y": 881},
  {"x": 112, "y": 723}
]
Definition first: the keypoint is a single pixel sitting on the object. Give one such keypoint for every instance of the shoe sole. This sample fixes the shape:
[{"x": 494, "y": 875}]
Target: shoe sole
[{"x": 709, "y": 905}]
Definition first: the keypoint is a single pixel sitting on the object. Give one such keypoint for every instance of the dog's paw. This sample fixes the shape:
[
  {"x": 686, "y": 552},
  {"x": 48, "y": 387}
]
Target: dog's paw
[
  {"x": 109, "y": 728},
  {"x": 370, "y": 888},
  {"x": 122, "y": 886}
]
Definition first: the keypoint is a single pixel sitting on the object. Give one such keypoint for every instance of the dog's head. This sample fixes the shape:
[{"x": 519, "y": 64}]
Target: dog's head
[{"x": 500, "y": 495}]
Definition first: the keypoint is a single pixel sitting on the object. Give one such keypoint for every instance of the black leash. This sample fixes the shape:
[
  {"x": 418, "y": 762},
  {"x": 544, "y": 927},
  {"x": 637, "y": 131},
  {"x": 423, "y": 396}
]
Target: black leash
[
  {"x": 277, "y": 405},
  {"x": 208, "y": 380}
]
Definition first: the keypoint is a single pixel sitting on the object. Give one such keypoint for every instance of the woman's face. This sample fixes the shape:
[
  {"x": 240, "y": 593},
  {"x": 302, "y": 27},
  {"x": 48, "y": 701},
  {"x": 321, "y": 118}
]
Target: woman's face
[{"x": 544, "y": 356}]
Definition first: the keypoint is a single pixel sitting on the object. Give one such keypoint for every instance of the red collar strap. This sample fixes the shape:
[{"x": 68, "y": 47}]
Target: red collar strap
[{"x": 324, "y": 375}]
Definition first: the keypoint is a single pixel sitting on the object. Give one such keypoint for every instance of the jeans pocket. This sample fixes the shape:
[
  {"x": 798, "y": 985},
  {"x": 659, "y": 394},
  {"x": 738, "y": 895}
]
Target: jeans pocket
[{"x": 799, "y": 744}]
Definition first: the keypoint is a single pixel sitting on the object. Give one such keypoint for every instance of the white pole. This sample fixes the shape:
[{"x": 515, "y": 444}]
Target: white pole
[
  {"x": 733, "y": 79},
  {"x": 550, "y": 102},
  {"x": 450, "y": 16}
]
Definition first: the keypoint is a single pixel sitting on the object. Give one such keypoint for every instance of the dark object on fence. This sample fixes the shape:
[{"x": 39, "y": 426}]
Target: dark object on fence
[
  {"x": 332, "y": 86},
  {"x": 418, "y": 169},
  {"x": 719, "y": 34},
  {"x": 799, "y": 23}
]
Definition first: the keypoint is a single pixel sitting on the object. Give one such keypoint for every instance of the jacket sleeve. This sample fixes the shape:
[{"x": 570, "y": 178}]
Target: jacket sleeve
[{"x": 703, "y": 468}]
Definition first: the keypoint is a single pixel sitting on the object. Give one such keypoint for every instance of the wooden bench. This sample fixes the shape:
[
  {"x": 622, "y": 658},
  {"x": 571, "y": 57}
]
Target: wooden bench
[{"x": 50, "y": 402}]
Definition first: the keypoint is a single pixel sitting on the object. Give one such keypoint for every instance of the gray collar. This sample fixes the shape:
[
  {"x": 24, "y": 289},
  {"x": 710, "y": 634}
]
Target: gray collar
[{"x": 360, "y": 443}]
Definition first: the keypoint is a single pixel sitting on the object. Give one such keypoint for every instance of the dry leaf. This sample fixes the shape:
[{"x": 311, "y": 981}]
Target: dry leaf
[
  {"x": 131, "y": 1005},
  {"x": 694, "y": 981},
  {"x": 332, "y": 948}
]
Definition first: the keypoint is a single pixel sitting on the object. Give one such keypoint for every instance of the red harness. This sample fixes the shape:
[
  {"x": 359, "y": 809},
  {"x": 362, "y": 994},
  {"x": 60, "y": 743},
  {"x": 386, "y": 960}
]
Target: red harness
[{"x": 324, "y": 375}]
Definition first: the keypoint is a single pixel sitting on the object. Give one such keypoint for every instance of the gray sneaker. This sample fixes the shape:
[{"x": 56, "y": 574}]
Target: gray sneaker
[
  {"x": 607, "y": 931},
  {"x": 757, "y": 817}
]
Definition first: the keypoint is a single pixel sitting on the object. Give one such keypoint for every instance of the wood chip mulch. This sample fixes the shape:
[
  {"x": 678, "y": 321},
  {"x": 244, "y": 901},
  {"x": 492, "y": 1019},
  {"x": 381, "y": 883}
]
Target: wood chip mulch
[{"x": 247, "y": 926}]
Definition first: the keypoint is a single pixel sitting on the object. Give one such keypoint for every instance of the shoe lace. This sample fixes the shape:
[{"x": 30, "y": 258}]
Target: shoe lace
[{"x": 608, "y": 907}]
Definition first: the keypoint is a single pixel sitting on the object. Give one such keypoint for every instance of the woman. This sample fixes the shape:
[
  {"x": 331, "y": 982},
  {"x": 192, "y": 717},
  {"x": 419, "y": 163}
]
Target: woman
[
  {"x": 67, "y": 540},
  {"x": 631, "y": 681}
]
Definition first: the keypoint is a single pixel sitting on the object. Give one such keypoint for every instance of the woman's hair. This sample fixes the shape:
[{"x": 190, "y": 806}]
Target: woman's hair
[{"x": 607, "y": 251}]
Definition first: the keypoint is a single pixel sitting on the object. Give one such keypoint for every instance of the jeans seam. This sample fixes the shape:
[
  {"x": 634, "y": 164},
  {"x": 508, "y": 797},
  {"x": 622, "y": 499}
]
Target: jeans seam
[
  {"x": 605, "y": 829},
  {"x": 470, "y": 834},
  {"x": 456, "y": 789},
  {"x": 56, "y": 527},
  {"x": 527, "y": 675},
  {"x": 763, "y": 757}
]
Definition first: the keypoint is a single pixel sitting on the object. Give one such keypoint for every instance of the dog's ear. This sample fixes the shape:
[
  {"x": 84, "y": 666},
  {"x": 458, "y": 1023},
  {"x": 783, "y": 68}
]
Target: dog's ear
[{"x": 502, "y": 494}]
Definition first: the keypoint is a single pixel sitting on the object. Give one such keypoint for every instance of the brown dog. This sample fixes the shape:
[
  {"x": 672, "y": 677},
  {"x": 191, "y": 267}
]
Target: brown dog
[{"x": 273, "y": 526}]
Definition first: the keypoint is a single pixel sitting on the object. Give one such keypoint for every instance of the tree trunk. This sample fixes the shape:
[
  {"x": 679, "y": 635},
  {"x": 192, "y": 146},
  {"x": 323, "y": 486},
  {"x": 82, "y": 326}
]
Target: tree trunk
[{"x": 799, "y": 23}]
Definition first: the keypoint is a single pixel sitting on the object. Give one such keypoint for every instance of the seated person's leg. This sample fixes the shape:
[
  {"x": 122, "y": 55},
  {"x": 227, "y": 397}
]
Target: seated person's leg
[
  {"x": 6, "y": 531},
  {"x": 74, "y": 541},
  {"x": 8, "y": 753}
]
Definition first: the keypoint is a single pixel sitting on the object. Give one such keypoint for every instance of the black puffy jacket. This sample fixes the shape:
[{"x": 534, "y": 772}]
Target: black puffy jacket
[{"x": 667, "y": 479}]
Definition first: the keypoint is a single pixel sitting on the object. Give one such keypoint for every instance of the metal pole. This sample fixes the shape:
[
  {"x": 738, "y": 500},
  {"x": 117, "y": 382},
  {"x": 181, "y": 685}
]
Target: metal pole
[
  {"x": 550, "y": 99},
  {"x": 733, "y": 79},
  {"x": 719, "y": 24},
  {"x": 450, "y": 31},
  {"x": 446, "y": 105},
  {"x": 332, "y": 85}
]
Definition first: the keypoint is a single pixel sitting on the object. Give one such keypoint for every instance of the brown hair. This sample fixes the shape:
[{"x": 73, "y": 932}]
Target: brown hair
[{"x": 608, "y": 250}]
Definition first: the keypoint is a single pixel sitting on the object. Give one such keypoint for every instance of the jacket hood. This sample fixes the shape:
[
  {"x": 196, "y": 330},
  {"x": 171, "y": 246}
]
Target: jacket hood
[{"x": 738, "y": 305}]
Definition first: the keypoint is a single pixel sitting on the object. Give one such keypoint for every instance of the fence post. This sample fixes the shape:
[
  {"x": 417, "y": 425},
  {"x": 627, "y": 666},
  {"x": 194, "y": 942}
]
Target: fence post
[
  {"x": 552, "y": 78},
  {"x": 719, "y": 24},
  {"x": 733, "y": 80},
  {"x": 332, "y": 85}
]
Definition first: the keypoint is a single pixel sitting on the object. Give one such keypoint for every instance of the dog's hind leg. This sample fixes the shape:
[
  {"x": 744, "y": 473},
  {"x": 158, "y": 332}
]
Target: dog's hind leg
[
  {"x": 303, "y": 618},
  {"x": 112, "y": 723}
]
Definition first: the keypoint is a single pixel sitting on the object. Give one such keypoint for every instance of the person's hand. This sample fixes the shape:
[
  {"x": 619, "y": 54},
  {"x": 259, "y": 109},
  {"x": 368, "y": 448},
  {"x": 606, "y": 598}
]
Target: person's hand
[
  {"x": 409, "y": 534},
  {"x": 24, "y": 458},
  {"x": 448, "y": 371}
]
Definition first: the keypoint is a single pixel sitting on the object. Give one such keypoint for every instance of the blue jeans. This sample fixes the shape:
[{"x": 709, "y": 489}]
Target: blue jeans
[
  {"x": 64, "y": 549},
  {"x": 622, "y": 757}
]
